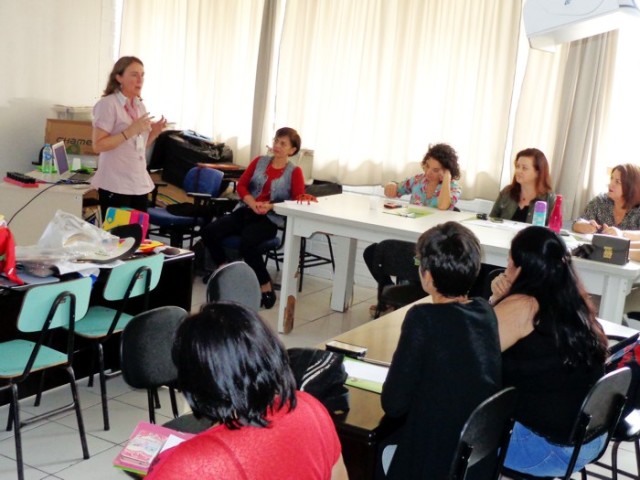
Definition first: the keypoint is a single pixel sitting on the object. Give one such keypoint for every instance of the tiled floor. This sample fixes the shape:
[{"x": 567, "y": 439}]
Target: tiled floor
[{"x": 52, "y": 447}]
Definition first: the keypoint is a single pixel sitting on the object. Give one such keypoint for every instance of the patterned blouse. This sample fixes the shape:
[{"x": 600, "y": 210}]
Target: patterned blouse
[
  {"x": 417, "y": 187},
  {"x": 600, "y": 209}
]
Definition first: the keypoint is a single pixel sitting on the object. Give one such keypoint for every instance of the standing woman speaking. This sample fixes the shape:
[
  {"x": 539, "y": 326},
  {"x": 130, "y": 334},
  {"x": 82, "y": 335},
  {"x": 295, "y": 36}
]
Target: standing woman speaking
[{"x": 122, "y": 131}]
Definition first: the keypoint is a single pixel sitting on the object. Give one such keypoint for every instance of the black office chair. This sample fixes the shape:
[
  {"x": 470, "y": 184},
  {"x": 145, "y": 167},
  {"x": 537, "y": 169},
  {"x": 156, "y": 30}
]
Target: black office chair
[
  {"x": 599, "y": 415},
  {"x": 395, "y": 258},
  {"x": 145, "y": 353},
  {"x": 486, "y": 434}
]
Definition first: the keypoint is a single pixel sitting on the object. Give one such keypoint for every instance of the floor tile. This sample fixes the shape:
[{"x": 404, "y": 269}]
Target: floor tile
[
  {"x": 8, "y": 470},
  {"x": 98, "y": 467},
  {"x": 52, "y": 447},
  {"x": 123, "y": 417}
]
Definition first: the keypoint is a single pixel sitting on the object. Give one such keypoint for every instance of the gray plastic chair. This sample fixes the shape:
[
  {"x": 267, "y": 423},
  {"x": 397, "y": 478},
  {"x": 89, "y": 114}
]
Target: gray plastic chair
[
  {"x": 235, "y": 282},
  {"x": 145, "y": 353}
]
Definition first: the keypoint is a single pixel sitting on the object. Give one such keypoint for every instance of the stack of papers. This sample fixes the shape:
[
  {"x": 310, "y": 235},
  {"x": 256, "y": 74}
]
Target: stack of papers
[{"x": 364, "y": 375}]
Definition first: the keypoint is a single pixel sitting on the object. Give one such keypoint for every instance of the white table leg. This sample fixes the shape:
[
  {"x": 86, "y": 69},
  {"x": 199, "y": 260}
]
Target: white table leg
[
  {"x": 345, "y": 255},
  {"x": 289, "y": 282},
  {"x": 613, "y": 297}
]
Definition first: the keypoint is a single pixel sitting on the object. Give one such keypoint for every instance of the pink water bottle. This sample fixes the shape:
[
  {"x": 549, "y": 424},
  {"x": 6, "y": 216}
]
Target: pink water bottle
[{"x": 555, "y": 221}]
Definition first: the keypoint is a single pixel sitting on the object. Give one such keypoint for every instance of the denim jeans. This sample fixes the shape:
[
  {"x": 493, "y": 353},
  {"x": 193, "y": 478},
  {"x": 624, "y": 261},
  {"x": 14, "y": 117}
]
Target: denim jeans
[{"x": 535, "y": 455}]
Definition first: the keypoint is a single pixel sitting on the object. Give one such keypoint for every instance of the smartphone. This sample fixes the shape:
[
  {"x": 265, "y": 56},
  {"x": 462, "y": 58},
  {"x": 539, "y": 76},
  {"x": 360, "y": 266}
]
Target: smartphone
[
  {"x": 392, "y": 205},
  {"x": 348, "y": 349}
]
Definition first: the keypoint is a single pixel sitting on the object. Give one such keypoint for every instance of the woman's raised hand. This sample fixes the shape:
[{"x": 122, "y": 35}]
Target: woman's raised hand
[{"x": 391, "y": 190}]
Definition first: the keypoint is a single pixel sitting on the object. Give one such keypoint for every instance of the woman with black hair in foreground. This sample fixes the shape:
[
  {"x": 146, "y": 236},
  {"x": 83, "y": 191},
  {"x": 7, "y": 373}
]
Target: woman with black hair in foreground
[
  {"x": 234, "y": 371},
  {"x": 554, "y": 351}
]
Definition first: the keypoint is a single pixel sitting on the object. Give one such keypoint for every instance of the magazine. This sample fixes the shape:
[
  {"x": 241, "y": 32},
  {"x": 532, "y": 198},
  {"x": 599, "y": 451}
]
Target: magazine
[{"x": 144, "y": 445}]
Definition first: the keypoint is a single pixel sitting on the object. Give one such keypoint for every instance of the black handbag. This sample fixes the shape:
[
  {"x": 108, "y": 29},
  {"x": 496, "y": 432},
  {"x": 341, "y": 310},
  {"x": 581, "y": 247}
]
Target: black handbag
[{"x": 605, "y": 248}]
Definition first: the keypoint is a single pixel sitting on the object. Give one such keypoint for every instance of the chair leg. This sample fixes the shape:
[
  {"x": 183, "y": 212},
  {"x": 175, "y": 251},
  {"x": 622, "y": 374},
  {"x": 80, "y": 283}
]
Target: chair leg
[
  {"x": 636, "y": 445},
  {"x": 333, "y": 260},
  {"x": 10, "y": 417},
  {"x": 103, "y": 387},
  {"x": 156, "y": 398},
  {"x": 303, "y": 252},
  {"x": 40, "y": 388},
  {"x": 150, "y": 402},
  {"x": 92, "y": 369},
  {"x": 76, "y": 405},
  {"x": 17, "y": 434},
  {"x": 614, "y": 460},
  {"x": 174, "y": 402}
]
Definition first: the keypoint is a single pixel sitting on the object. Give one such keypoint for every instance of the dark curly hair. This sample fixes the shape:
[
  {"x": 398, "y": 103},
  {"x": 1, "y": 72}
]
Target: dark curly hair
[
  {"x": 446, "y": 155},
  {"x": 232, "y": 368}
]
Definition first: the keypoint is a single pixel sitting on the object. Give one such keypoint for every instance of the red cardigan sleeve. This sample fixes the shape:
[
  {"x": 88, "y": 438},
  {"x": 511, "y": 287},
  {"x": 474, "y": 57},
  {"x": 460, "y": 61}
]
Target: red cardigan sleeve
[{"x": 297, "y": 183}]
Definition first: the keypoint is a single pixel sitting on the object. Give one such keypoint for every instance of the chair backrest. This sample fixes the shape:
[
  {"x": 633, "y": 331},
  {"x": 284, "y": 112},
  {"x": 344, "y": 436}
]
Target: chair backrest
[
  {"x": 54, "y": 299},
  {"x": 50, "y": 306},
  {"x": 236, "y": 282},
  {"x": 602, "y": 408},
  {"x": 136, "y": 276},
  {"x": 203, "y": 180},
  {"x": 395, "y": 258},
  {"x": 486, "y": 432},
  {"x": 145, "y": 351}
]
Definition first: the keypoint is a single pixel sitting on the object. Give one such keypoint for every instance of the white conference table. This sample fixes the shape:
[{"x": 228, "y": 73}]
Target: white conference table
[{"x": 349, "y": 217}]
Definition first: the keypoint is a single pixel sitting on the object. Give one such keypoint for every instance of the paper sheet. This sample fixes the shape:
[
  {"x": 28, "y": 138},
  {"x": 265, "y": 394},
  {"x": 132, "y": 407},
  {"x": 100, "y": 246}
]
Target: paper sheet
[{"x": 365, "y": 375}]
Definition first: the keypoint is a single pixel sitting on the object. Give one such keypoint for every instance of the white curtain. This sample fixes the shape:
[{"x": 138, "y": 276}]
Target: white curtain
[
  {"x": 563, "y": 110},
  {"x": 371, "y": 83},
  {"x": 200, "y": 61}
]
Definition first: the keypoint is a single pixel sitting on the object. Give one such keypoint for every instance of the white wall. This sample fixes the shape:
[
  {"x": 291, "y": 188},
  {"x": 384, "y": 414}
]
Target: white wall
[{"x": 53, "y": 52}]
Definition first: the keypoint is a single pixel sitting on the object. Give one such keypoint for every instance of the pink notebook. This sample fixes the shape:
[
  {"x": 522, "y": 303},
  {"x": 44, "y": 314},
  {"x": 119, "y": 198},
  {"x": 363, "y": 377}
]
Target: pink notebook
[{"x": 145, "y": 443}]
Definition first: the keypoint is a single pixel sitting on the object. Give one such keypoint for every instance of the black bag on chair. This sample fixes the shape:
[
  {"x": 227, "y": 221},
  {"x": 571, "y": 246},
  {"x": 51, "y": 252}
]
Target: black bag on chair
[{"x": 321, "y": 373}]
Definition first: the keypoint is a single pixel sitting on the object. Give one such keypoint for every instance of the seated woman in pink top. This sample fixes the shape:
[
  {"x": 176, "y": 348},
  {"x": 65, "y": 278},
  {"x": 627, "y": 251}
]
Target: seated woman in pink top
[
  {"x": 122, "y": 131},
  {"x": 234, "y": 371}
]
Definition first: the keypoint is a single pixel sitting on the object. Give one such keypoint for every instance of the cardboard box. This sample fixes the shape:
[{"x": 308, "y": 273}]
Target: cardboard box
[{"x": 76, "y": 135}]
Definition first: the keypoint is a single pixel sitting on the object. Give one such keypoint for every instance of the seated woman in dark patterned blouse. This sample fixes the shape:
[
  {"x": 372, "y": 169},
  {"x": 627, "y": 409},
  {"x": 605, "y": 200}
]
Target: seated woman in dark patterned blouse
[{"x": 616, "y": 212}]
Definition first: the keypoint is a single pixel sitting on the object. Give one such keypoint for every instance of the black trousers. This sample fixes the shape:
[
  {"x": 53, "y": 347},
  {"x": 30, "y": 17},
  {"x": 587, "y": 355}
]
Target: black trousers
[{"x": 253, "y": 230}]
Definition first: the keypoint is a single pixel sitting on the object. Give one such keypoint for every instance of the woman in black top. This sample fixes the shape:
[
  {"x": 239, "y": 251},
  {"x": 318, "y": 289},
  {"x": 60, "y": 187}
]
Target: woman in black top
[
  {"x": 448, "y": 356},
  {"x": 554, "y": 351}
]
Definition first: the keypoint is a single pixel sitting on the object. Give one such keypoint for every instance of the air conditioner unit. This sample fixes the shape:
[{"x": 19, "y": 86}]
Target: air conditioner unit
[{"x": 549, "y": 23}]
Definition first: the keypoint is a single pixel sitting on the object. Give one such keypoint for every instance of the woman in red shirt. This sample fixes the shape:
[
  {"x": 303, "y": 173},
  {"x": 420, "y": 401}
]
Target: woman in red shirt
[{"x": 269, "y": 179}]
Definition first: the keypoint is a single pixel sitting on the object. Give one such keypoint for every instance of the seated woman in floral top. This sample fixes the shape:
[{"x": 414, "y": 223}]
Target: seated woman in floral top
[{"x": 437, "y": 187}]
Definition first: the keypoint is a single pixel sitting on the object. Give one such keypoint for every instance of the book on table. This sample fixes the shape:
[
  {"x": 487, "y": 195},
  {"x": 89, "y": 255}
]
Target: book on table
[{"x": 144, "y": 445}]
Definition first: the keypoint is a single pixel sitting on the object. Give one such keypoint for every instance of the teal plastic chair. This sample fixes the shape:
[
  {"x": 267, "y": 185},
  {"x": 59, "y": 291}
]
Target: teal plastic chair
[
  {"x": 44, "y": 308},
  {"x": 134, "y": 278}
]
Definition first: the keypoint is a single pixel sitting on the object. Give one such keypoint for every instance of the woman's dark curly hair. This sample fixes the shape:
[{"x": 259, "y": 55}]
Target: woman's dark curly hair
[
  {"x": 446, "y": 155},
  {"x": 231, "y": 366}
]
